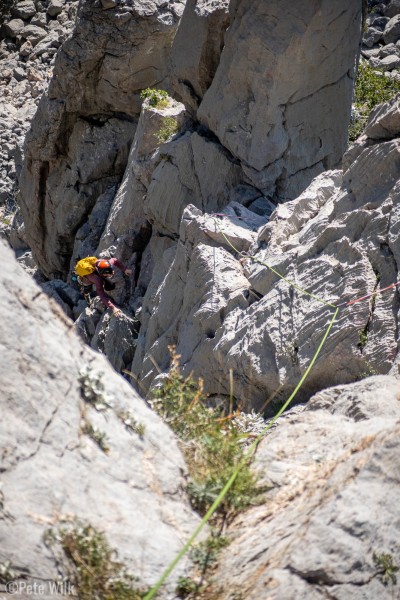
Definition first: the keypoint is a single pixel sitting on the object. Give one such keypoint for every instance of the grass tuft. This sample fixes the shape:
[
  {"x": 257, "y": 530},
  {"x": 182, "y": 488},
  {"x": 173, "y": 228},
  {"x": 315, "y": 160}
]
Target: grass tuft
[
  {"x": 386, "y": 568},
  {"x": 155, "y": 98},
  {"x": 94, "y": 572},
  {"x": 167, "y": 130},
  {"x": 212, "y": 445}
]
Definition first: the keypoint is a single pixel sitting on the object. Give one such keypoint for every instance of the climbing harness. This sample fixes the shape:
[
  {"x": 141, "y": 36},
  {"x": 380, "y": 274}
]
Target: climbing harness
[{"x": 84, "y": 289}]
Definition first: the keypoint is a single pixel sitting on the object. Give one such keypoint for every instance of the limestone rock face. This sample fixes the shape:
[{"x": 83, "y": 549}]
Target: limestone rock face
[
  {"x": 203, "y": 284},
  {"x": 339, "y": 240},
  {"x": 69, "y": 187},
  {"x": 331, "y": 496},
  {"x": 113, "y": 54},
  {"x": 52, "y": 472},
  {"x": 160, "y": 180},
  {"x": 384, "y": 121},
  {"x": 79, "y": 141},
  {"x": 128, "y": 229},
  {"x": 197, "y": 48},
  {"x": 185, "y": 177},
  {"x": 283, "y": 126}
]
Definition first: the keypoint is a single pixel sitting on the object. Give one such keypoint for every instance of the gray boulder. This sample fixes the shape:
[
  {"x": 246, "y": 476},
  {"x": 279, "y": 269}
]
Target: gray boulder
[
  {"x": 116, "y": 338},
  {"x": 387, "y": 63},
  {"x": 371, "y": 37},
  {"x": 374, "y": 397},
  {"x": 55, "y": 7},
  {"x": 389, "y": 50},
  {"x": 52, "y": 40},
  {"x": 377, "y": 21},
  {"x": 24, "y": 9},
  {"x": 392, "y": 9},
  {"x": 56, "y": 393},
  {"x": 80, "y": 137},
  {"x": 283, "y": 127},
  {"x": 323, "y": 528},
  {"x": 338, "y": 241},
  {"x": 384, "y": 120},
  {"x": 197, "y": 48},
  {"x": 392, "y": 30},
  {"x": 13, "y": 28},
  {"x": 33, "y": 33}
]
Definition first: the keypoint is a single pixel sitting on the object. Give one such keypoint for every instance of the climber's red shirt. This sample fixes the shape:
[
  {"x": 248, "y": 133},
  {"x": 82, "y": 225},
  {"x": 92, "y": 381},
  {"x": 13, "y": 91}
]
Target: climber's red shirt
[{"x": 98, "y": 282}]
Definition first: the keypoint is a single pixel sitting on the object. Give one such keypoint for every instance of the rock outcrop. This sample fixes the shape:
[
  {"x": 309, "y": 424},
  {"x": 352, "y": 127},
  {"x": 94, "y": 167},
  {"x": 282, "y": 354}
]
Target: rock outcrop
[
  {"x": 330, "y": 514},
  {"x": 29, "y": 40},
  {"x": 197, "y": 49},
  {"x": 79, "y": 142},
  {"x": 338, "y": 241},
  {"x": 115, "y": 53},
  {"x": 280, "y": 102},
  {"x": 78, "y": 443}
]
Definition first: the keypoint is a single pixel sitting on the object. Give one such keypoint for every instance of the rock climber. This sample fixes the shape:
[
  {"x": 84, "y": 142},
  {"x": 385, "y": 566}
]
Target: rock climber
[{"x": 99, "y": 272}]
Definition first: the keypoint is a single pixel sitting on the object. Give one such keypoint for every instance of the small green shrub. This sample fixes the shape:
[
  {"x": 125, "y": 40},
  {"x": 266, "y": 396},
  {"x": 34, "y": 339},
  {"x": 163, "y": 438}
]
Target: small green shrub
[
  {"x": 386, "y": 568},
  {"x": 372, "y": 87},
  {"x": 369, "y": 372},
  {"x": 94, "y": 572},
  {"x": 363, "y": 335},
  {"x": 131, "y": 423},
  {"x": 93, "y": 389},
  {"x": 211, "y": 443},
  {"x": 186, "y": 586},
  {"x": 167, "y": 130},
  {"x": 205, "y": 553},
  {"x": 155, "y": 98},
  {"x": 99, "y": 437},
  {"x": 6, "y": 572}
]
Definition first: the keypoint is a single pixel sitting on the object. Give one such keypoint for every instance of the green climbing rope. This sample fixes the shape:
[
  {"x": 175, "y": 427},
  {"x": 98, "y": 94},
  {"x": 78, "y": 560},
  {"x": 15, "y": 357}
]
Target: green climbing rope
[{"x": 250, "y": 451}]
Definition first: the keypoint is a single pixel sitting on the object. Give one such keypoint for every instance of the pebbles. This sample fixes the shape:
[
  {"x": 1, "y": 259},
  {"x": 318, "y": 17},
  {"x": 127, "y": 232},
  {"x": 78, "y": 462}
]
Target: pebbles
[
  {"x": 29, "y": 39},
  {"x": 381, "y": 40}
]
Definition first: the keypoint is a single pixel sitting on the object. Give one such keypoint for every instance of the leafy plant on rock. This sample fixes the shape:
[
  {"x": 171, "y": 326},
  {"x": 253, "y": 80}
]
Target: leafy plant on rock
[
  {"x": 94, "y": 393},
  {"x": 167, "y": 130},
  {"x": 211, "y": 443},
  {"x": 386, "y": 568},
  {"x": 99, "y": 437},
  {"x": 155, "y": 98},
  {"x": 186, "y": 586},
  {"x": 93, "y": 569}
]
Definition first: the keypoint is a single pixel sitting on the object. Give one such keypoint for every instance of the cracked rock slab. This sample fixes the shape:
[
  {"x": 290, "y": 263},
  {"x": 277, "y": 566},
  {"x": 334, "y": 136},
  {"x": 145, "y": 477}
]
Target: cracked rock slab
[
  {"x": 339, "y": 241},
  {"x": 99, "y": 72},
  {"x": 52, "y": 472},
  {"x": 283, "y": 127},
  {"x": 331, "y": 505}
]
